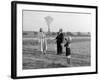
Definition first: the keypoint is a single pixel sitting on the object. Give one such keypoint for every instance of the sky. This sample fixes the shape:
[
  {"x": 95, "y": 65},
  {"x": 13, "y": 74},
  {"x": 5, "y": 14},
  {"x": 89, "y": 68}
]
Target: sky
[{"x": 73, "y": 22}]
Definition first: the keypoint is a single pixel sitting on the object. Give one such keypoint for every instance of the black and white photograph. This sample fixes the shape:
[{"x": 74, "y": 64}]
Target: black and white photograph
[{"x": 55, "y": 39}]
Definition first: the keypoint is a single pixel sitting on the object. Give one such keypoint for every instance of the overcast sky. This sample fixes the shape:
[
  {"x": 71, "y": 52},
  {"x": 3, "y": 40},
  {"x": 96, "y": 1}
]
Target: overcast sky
[{"x": 73, "y": 22}]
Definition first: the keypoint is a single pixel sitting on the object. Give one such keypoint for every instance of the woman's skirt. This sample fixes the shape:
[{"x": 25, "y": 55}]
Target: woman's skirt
[
  {"x": 68, "y": 52},
  {"x": 43, "y": 45}
]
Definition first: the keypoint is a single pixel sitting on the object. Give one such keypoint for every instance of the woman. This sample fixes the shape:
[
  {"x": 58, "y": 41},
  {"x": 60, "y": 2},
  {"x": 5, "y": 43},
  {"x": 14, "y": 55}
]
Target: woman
[
  {"x": 43, "y": 42},
  {"x": 68, "y": 48}
]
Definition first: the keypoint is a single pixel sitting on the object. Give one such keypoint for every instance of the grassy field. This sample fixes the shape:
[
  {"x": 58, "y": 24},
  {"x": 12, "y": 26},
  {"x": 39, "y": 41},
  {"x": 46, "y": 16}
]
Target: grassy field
[{"x": 34, "y": 59}]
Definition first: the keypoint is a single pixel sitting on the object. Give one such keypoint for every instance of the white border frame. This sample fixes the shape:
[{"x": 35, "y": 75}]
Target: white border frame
[{"x": 37, "y": 72}]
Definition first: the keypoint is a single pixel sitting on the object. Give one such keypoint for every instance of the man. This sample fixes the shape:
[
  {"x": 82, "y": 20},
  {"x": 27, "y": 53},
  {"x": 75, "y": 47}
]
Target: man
[{"x": 59, "y": 40}]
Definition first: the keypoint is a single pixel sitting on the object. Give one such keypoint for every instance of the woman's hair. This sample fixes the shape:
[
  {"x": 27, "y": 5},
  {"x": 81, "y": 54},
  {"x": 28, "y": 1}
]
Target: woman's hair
[
  {"x": 69, "y": 39},
  {"x": 40, "y": 29}
]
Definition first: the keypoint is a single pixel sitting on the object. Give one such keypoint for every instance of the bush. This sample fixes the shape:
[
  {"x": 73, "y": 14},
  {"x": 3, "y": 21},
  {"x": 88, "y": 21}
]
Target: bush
[{"x": 24, "y": 33}]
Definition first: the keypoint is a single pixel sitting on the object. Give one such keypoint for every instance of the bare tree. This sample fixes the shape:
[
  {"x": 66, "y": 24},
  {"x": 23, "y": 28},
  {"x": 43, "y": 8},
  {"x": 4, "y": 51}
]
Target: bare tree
[{"x": 49, "y": 20}]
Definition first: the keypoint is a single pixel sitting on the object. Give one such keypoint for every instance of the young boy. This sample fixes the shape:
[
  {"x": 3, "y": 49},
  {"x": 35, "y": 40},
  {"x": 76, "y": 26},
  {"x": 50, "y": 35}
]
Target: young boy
[{"x": 68, "y": 51}]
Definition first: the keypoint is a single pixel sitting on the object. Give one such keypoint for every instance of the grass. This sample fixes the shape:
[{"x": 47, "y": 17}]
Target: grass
[{"x": 34, "y": 59}]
